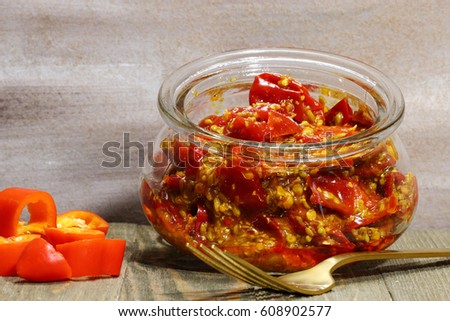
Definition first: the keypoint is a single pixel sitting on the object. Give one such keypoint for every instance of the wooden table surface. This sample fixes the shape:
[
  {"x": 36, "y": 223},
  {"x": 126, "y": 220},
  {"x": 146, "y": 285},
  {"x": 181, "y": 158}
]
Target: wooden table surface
[{"x": 153, "y": 270}]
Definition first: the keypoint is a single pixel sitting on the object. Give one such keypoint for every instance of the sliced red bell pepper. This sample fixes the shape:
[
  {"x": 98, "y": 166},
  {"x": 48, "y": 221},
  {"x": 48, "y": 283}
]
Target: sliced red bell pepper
[
  {"x": 94, "y": 257},
  {"x": 40, "y": 262},
  {"x": 55, "y": 235},
  {"x": 34, "y": 258},
  {"x": 41, "y": 207},
  {"x": 10, "y": 250},
  {"x": 76, "y": 225},
  {"x": 83, "y": 220}
]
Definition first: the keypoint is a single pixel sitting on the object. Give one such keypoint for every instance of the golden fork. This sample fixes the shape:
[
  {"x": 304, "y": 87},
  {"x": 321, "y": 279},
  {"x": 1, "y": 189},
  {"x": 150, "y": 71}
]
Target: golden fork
[{"x": 313, "y": 281}]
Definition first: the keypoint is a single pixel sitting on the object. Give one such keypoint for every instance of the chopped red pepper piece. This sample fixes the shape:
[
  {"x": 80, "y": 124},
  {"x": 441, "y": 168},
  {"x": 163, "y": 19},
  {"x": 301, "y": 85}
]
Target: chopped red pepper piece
[
  {"x": 235, "y": 123},
  {"x": 41, "y": 207},
  {"x": 383, "y": 158},
  {"x": 76, "y": 225},
  {"x": 276, "y": 89},
  {"x": 392, "y": 179},
  {"x": 40, "y": 262},
  {"x": 243, "y": 187},
  {"x": 55, "y": 235},
  {"x": 83, "y": 220},
  {"x": 186, "y": 155},
  {"x": 173, "y": 181},
  {"x": 10, "y": 250},
  {"x": 266, "y": 223},
  {"x": 340, "y": 115},
  {"x": 239, "y": 127},
  {"x": 24, "y": 253},
  {"x": 363, "y": 116},
  {"x": 202, "y": 217},
  {"x": 280, "y": 125},
  {"x": 94, "y": 257},
  {"x": 334, "y": 192}
]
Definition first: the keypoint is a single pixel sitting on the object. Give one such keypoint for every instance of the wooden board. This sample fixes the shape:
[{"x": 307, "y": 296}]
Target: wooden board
[{"x": 154, "y": 270}]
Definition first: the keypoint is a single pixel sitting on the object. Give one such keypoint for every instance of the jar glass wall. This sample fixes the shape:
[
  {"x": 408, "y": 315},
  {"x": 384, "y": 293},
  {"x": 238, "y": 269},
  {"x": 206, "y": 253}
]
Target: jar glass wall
[{"x": 283, "y": 204}]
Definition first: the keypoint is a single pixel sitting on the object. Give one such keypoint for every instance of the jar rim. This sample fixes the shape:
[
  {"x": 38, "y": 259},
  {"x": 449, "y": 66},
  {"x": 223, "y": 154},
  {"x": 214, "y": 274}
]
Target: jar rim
[{"x": 389, "y": 98}]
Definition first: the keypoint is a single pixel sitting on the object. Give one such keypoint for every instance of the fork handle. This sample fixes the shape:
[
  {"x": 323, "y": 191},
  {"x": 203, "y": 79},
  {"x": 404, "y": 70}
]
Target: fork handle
[{"x": 346, "y": 258}]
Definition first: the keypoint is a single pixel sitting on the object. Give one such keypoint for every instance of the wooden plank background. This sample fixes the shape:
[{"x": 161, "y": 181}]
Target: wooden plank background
[
  {"x": 77, "y": 74},
  {"x": 154, "y": 270}
]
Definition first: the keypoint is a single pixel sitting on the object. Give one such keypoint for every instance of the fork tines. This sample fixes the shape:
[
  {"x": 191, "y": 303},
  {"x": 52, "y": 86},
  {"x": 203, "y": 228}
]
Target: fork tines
[{"x": 238, "y": 268}]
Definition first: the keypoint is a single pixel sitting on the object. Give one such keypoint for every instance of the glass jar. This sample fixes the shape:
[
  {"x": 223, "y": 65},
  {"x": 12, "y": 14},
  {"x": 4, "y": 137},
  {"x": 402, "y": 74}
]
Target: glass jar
[{"x": 283, "y": 205}]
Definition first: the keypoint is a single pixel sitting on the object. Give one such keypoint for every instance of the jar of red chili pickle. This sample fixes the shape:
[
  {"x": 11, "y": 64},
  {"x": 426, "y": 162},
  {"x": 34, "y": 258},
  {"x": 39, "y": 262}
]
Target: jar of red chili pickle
[{"x": 282, "y": 156}]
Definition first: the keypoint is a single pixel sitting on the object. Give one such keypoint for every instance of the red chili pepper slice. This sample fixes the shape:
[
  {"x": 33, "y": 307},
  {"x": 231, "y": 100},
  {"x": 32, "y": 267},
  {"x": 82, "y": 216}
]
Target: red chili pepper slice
[
  {"x": 235, "y": 123},
  {"x": 265, "y": 223},
  {"x": 239, "y": 127},
  {"x": 40, "y": 262},
  {"x": 393, "y": 179},
  {"x": 379, "y": 162},
  {"x": 275, "y": 88},
  {"x": 173, "y": 181},
  {"x": 325, "y": 133},
  {"x": 201, "y": 217},
  {"x": 10, "y": 250},
  {"x": 335, "y": 192},
  {"x": 41, "y": 207},
  {"x": 279, "y": 125},
  {"x": 243, "y": 187},
  {"x": 340, "y": 115},
  {"x": 94, "y": 257},
  {"x": 377, "y": 208},
  {"x": 185, "y": 155},
  {"x": 363, "y": 116}
]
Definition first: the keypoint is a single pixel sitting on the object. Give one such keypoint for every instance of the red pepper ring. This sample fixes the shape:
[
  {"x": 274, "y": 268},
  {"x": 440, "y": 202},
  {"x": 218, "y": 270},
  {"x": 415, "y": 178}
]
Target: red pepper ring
[{"x": 41, "y": 207}]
